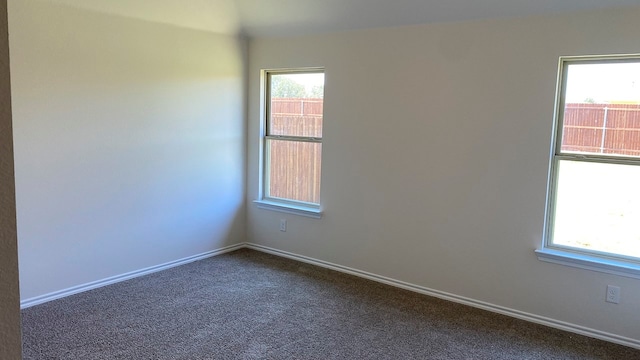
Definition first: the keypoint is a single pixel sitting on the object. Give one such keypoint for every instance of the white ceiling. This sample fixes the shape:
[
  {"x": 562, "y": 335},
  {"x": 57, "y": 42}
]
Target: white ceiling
[{"x": 291, "y": 17}]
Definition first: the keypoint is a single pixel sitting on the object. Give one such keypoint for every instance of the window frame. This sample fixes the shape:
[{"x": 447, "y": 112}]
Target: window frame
[
  {"x": 264, "y": 200},
  {"x": 618, "y": 264}
]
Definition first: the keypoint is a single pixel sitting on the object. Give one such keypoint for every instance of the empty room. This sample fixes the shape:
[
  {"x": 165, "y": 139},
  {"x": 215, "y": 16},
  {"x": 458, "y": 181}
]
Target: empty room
[{"x": 276, "y": 179}]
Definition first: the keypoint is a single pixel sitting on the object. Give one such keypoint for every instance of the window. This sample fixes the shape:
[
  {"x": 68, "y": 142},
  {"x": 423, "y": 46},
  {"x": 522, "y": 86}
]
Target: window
[
  {"x": 594, "y": 194},
  {"x": 292, "y": 140}
]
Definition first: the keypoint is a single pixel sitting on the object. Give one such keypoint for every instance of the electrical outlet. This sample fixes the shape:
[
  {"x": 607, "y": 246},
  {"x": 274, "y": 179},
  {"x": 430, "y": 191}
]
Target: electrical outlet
[
  {"x": 283, "y": 224},
  {"x": 613, "y": 294}
]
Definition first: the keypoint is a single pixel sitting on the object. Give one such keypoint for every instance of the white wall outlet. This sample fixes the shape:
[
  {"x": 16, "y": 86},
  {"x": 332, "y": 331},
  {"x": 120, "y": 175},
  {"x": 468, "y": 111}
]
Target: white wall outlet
[
  {"x": 283, "y": 224},
  {"x": 613, "y": 294}
]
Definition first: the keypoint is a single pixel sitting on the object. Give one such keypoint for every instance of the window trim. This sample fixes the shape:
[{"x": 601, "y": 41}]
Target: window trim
[
  {"x": 273, "y": 203},
  {"x": 595, "y": 260}
]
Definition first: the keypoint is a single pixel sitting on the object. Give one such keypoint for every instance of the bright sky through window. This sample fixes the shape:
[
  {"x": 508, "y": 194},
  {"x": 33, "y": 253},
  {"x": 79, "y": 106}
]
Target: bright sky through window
[
  {"x": 309, "y": 81},
  {"x": 603, "y": 83}
]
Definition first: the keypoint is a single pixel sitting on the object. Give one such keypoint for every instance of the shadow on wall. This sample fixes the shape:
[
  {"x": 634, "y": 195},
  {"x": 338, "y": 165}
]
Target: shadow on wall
[{"x": 129, "y": 144}]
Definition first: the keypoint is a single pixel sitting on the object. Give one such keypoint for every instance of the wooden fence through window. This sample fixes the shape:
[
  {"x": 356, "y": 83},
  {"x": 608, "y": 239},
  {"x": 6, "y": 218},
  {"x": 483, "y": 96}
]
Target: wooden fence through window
[
  {"x": 602, "y": 129},
  {"x": 294, "y": 171}
]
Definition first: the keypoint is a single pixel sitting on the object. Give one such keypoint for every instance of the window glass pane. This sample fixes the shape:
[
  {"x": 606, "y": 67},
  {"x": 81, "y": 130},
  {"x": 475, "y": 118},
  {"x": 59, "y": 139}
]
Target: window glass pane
[
  {"x": 293, "y": 170},
  {"x": 296, "y": 104},
  {"x": 598, "y": 207},
  {"x": 602, "y": 109}
]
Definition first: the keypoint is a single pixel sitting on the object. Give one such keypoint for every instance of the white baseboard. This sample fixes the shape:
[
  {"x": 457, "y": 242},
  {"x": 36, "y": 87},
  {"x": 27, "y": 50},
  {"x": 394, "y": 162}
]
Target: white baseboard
[
  {"x": 344, "y": 269},
  {"x": 455, "y": 298},
  {"x": 130, "y": 275}
]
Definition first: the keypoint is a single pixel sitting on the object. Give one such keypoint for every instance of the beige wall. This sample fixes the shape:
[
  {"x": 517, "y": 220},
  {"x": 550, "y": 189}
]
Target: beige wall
[
  {"x": 130, "y": 152},
  {"x": 129, "y": 144},
  {"x": 435, "y": 159},
  {"x": 10, "y": 342}
]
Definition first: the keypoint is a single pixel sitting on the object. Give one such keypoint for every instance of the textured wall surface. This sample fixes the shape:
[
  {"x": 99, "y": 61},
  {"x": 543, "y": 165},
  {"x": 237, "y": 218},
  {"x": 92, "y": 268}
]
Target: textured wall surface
[
  {"x": 10, "y": 342},
  {"x": 435, "y": 159}
]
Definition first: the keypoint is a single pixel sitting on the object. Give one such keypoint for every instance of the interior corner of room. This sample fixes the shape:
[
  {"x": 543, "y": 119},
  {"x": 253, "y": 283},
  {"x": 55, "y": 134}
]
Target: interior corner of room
[{"x": 136, "y": 147}]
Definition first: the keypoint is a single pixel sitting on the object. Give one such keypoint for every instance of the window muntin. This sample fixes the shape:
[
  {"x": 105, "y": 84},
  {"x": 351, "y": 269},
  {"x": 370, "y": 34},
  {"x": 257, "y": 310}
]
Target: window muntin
[
  {"x": 293, "y": 137},
  {"x": 594, "y": 205}
]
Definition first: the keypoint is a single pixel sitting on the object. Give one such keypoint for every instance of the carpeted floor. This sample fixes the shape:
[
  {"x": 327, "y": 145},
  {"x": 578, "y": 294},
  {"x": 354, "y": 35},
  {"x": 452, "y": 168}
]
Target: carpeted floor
[{"x": 250, "y": 305}]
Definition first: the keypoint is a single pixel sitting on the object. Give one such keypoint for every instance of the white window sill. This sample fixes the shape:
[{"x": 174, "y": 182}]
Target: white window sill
[
  {"x": 289, "y": 208},
  {"x": 589, "y": 262}
]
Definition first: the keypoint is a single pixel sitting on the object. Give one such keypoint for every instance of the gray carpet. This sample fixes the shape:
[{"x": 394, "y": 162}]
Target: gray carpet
[{"x": 250, "y": 305}]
